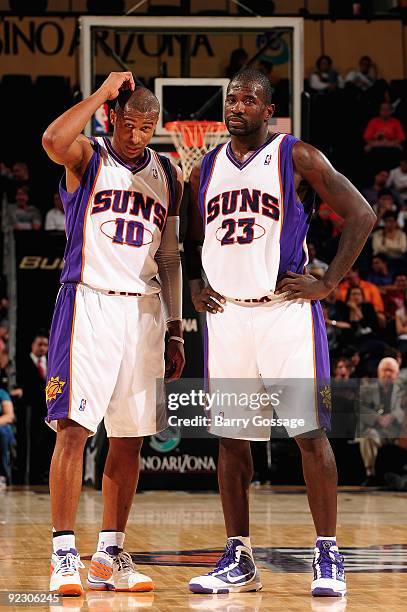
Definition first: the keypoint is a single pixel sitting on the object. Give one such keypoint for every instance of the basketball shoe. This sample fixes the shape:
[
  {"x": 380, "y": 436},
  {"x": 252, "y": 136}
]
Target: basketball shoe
[
  {"x": 107, "y": 573},
  {"x": 65, "y": 578},
  {"x": 235, "y": 572},
  {"x": 329, "y": 573}
]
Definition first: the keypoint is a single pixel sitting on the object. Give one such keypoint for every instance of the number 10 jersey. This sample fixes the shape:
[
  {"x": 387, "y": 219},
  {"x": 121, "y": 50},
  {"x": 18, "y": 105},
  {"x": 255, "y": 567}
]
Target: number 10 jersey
[{"x": 114, "y": 221}]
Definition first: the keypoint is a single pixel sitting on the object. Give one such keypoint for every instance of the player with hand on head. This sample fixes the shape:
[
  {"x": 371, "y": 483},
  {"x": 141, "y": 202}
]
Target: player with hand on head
[
  {"x": 122, "y": 273},
  {"x": 251, "y": 203}
]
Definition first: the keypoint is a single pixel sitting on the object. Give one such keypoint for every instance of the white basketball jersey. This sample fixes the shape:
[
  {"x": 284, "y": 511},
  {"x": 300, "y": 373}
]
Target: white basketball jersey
[
  {"x": 114, "y": 221},
  {"x": 255, "y": 226}
]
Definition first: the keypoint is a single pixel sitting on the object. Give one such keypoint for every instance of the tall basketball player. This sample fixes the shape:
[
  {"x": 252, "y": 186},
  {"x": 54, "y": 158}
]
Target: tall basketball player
[
  {"x": 250, "y": 209},
  {"x": 106, "y": 353}
]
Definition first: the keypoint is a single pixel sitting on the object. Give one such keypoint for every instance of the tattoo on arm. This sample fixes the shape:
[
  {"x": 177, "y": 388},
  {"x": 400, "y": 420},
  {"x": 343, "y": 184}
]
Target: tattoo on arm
[{"x": 344, "y": 199}]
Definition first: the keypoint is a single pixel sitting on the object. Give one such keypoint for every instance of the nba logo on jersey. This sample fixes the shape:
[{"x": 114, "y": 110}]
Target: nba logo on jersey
[
  {"x": 267, "y": 160},
  {"x": 82, "y": 405}
]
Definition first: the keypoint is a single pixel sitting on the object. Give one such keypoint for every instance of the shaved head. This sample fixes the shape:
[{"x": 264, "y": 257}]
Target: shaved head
[
  {"x": 250, "y": 76},
  {"x": 141, "y": 99}
]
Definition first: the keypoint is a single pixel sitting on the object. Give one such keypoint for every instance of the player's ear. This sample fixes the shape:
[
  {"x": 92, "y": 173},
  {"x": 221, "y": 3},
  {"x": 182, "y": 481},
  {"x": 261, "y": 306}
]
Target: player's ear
[
  {"x": 270, "y": 110},
  {"x": 112, "y": 116}
]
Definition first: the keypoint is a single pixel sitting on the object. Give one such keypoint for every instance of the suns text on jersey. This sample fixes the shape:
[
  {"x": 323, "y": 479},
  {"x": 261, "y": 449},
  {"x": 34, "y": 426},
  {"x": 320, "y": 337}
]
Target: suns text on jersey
[
  {"x": 245, "y": 201},
  {"x": 132, "y": 202}
]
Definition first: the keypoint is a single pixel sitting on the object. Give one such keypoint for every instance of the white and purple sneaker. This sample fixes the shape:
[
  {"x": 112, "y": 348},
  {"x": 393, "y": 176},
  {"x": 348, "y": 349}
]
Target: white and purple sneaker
[
  {"x": 329, "y": 573},
  {"x": 235, "y": 572}
]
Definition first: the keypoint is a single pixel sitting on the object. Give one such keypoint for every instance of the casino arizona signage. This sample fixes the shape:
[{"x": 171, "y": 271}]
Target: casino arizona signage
[
  {"x": 50, "y": 37},
  {"x": 54, "y": 43}
]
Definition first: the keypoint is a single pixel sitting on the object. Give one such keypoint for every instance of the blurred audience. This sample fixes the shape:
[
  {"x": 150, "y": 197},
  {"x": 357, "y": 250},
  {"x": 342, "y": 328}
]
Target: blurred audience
[
  {"x": 391, "y": 240},
  {"x": 55, "y": 218},
  {"x": 373, "y": 192},
  {"x": 381, "y": 414},
  {"x": 40, "y": 439},
  {"x": 364, "y": 76},
  {"x": 379, "y": 274},
  {"x": 384, "y": 136},
  {"x": 22, "y": 214},
  {"x": 324, "y": 78},
  {"x": 397, "y": 179},
  {"x": 7, "y": 439},
  {"x": 371, "y": 293}
]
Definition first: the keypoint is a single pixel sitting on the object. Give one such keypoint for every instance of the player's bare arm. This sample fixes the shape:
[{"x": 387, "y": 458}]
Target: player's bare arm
[
  {"x": 170, "y": 273},
  {"x": 204, "y": 298},
  {"x": 63, "y": 139},
  {"x": 344, "y": 199}
]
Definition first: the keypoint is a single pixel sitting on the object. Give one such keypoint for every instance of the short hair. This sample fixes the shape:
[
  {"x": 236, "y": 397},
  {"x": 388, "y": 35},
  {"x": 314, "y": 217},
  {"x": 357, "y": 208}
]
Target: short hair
[
  {"x": 353, "y": 289},
  {"x": 388, "y": 361},
  {"x": 141, "y": 99},
  {"x": 390, "y": 214},
  {"x": 382, "y": 257},
  {"x": 24, "y": 188},
  {"x": 385, "y": 192},
  {"x": 349, "y": 351},
  {"x": 251, "y": 75},
  {"x": 41, "y": 333},
  {"x": 321, "y": 59}
]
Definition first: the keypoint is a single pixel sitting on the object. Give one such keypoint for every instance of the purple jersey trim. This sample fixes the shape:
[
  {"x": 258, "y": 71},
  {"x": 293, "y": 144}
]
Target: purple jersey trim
[
  {"x": 170, "y": 178},
  {"x": 295, "y": 215},
  {"x": 59, "y": 354},
  {"x": 134, "y": 168},
  {"x": 241, "y": 165},
  {"x": 322, "y": 368},
  {"x": 207, "y": 167},
  {"x": 75, "y": 207}
]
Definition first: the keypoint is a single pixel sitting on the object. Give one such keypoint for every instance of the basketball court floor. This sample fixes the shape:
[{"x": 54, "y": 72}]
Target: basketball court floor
[{"x": 173, "y": 536}]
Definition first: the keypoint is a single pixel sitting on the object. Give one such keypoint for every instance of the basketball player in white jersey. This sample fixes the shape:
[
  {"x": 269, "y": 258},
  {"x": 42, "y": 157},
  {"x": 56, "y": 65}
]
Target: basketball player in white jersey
[
  {"x": 250, "y": 209},
  {"x": 106, "y": 354}
]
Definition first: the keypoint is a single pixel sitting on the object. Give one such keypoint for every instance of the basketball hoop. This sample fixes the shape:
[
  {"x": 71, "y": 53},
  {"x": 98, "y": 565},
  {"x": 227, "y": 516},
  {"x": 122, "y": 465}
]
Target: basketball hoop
[{"x": 192, "y": 139}]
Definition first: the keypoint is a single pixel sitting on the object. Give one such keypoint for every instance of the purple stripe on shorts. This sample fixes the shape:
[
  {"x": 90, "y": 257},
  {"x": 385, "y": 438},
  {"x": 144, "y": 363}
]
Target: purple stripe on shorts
[
  {"x": 59, "y": 355},
  {"x": 206, "y": 357},
  {"x": 322, "y": 368},
  {"x": 208, "y": 163},
  {"x": 295, "y": 219},
  {"x": 75, "y": 206}
]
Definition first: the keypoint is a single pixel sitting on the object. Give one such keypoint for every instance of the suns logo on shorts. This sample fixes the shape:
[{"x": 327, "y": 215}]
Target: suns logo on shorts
[
  {"x": 326, "y": 395},
  {"x": 53, "y": 388}
]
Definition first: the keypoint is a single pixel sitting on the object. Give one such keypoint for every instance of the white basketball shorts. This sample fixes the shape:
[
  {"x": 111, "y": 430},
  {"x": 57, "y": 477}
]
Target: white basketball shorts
[
  {"x": 106, "y": 360},
  {"x": 267, "y": 364}
]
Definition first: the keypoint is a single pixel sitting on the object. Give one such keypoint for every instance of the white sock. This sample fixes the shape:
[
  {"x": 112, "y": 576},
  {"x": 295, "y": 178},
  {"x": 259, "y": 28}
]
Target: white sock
[
  {"x": 111, "y": 542},
  {"x": 63, "y": 542},
  {"x": 245, "y": 540}
]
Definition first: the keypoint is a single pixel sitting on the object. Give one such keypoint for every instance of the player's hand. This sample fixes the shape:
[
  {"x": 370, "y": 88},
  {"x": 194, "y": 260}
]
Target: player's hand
[
  {"x": 208, "y": 300},
  {"x": 302, "y": 286},
  {"x": 115, "y": 82},
  {"x": 174, "y": 360}
]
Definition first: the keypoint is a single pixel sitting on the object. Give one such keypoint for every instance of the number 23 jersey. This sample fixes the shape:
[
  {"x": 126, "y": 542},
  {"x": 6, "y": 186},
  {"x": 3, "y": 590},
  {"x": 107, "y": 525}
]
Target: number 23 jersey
[
  {"x": 255, "y": 226},
  {"x": 114, "y": 221}
]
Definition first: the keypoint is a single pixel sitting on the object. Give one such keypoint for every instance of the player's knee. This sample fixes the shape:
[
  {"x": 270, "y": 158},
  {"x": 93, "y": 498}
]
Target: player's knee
[
  {"x": 71, "y": 435},
  {"x": 130, "y": 447},
  {"x": 234, "y": 447},
  {"x": 316, "y": 445},
  {"x": 237, "y": 453}
]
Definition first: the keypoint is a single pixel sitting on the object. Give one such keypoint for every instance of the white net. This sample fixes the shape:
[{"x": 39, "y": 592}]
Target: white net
[{"x": 192, "y": 139}]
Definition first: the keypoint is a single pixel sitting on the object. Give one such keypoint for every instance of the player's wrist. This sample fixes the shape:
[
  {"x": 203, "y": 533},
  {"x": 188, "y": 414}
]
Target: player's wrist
[
  {"x": 174, "y": 328},
  {"x": 100, "y": 96}
]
